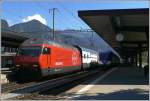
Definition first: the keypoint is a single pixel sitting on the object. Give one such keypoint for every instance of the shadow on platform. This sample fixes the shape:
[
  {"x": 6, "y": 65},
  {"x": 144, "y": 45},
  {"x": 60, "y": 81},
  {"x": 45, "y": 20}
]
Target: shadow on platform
[
  {"x": 125, "y": 76},
  {"x": 130, "y": 94}
]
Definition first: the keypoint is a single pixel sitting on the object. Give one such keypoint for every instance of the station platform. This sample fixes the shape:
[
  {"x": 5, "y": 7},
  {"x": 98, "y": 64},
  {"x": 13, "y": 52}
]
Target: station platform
[
  {"x": 121, "y": 83},
  {"x": 3, "y": 78},
  {"x": 4, "y": 75}
]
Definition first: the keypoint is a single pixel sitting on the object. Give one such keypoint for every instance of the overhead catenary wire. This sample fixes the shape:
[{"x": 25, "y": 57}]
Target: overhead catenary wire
[
  {"x": 66, "y": 9},
  {"x": 58, "y": 19},
  {"x": 69, "y": 12}
]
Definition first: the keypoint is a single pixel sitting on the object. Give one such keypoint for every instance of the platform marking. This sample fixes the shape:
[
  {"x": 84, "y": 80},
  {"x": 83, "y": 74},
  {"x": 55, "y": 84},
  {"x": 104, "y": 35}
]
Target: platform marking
[
  {"x": 9, "y": 95},
  {"x": 92, "y": 84}
]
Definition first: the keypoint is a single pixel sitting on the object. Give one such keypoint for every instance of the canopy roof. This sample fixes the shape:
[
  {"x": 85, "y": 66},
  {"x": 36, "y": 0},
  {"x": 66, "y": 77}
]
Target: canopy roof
[{"x": 125, "y": 27}]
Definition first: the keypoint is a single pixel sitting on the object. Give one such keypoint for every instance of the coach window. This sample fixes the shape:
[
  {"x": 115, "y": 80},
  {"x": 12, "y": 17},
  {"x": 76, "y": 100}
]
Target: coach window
[
  {"x": 84, "y": 56},
  {"x": 46, "y": 50},
  {"x": 2, "y": 49}
]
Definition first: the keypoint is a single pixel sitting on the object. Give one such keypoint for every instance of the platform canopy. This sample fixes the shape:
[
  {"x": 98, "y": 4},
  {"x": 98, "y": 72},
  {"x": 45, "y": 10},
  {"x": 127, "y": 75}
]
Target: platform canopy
[
  {"x": 11, "y": 38},
  {"x": 125, "y": 28}
]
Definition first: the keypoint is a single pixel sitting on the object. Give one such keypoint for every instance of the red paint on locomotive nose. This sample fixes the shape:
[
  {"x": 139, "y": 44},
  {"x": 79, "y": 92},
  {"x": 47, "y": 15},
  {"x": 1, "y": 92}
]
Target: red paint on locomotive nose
[{"x": 26, "y": 59}]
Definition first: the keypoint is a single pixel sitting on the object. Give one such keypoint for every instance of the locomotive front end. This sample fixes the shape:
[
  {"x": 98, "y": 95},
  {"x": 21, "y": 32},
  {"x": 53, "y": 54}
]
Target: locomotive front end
[{"x": 27, "y": 60}]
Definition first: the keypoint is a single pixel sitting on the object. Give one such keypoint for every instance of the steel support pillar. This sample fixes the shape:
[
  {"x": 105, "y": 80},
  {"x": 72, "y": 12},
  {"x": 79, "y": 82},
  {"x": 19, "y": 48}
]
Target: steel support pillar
[
  {"x": 136, "y": 60},
  {"x": 140, "y": 55}
]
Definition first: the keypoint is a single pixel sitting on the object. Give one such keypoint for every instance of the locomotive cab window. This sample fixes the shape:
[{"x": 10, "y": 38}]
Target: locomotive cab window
[{"x": 46, "y": 50}]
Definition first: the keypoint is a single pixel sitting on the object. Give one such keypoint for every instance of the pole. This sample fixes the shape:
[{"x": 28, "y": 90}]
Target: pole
[
  {"x": 53, "y": 21},
  {"x": 53, "y": 24}
]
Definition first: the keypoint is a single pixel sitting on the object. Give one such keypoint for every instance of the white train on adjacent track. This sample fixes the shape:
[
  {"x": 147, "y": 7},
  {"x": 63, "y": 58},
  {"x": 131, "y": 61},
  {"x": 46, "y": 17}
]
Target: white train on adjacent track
[{"x": 89, "y": 56}]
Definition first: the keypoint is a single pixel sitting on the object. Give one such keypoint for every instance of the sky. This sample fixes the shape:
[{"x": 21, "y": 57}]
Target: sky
[{"x": 66, "y": 15}]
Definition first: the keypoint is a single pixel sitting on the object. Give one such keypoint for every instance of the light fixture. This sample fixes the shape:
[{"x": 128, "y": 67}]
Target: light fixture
[
  {"x": 119, "y": 37},
  {"x": 17, "y": 65},
  {"x": 35, "y": 65}
]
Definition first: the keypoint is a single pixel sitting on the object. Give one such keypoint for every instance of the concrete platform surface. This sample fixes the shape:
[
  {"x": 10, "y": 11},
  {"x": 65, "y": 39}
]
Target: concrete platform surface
[
  {"x": 124, "y": 83},
  {"x": 3, "y": 78}
]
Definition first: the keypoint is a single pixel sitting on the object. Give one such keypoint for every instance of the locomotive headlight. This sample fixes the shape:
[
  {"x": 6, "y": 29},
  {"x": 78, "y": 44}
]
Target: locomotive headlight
[
  {"x": 35, "y": 65},
  {"x": 17, "y": 65}
]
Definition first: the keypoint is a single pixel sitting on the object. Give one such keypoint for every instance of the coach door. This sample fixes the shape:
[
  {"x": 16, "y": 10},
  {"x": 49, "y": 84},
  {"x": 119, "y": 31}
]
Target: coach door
[{"x": 46, "y": 52}]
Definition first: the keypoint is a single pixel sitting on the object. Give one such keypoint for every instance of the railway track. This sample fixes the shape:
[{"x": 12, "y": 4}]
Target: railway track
[
  {"x": 9, "y": 87},
  {"x": 36, "y": 91},
  {"x": 12, "y": 86}
]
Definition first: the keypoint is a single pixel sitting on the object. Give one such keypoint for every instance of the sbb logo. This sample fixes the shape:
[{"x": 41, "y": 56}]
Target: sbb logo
[{"x": 74, "y": 58}]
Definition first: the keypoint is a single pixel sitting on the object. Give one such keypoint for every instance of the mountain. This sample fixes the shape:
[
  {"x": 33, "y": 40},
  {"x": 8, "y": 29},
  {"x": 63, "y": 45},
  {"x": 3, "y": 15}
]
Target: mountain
[
  {"x": 4, "y": 24},
  {"x": 30, "y": 26},
  {"x": 34, "y": 27}
]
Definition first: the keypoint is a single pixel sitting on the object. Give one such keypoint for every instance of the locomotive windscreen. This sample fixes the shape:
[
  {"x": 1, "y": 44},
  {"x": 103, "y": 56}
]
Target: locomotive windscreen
[{"x": 29, "y": 51}]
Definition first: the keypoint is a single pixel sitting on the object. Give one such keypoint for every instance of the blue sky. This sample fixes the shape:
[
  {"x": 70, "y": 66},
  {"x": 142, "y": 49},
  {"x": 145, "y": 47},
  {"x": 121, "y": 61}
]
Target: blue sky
[{"x": 66, "y": 16}]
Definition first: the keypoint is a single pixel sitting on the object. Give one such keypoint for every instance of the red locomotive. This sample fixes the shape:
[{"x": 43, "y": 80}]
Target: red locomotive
[{"x": 42, "y": 57}]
